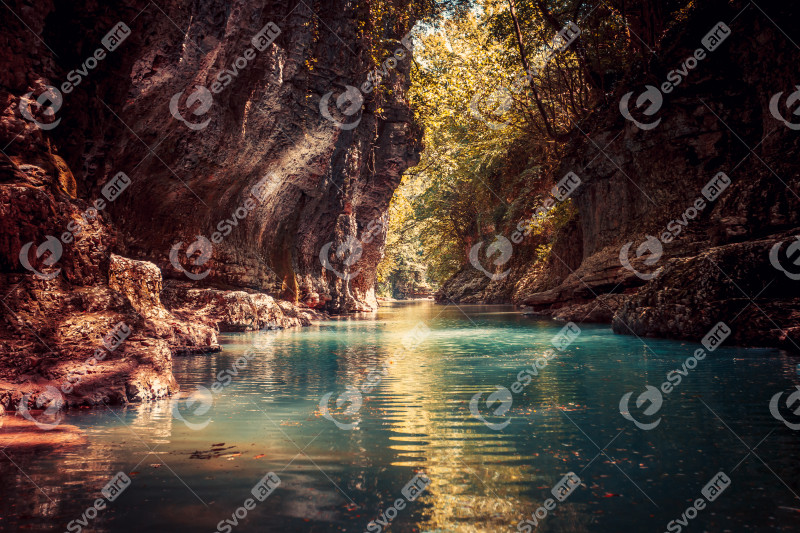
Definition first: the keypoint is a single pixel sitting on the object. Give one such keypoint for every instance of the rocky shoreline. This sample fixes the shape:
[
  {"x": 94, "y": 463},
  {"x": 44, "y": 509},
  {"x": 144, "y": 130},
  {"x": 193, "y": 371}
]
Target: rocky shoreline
[
  {"x": 130, "y": 234},
  {"x": 694, "y": 289},
  {"x": 676, "y": 226},
  {"x": 114, "y": 343}
]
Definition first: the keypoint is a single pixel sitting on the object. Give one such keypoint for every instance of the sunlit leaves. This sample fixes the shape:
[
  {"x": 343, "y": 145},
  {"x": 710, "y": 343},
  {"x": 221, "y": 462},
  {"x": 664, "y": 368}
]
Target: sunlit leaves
[{"x": 491, "y": 130}]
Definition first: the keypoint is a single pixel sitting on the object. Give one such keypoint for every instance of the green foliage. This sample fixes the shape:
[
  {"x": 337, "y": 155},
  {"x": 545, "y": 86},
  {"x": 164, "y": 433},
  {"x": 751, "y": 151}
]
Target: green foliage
[
  {"x": 403, "y": 265},
  {"x": 492, "y": 135}
]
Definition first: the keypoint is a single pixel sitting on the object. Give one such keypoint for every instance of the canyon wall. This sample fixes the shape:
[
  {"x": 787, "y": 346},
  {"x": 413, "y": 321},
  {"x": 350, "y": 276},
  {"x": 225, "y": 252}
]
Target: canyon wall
[
  {"x": 687, "y": 267},
  {"x": 230, "y": 151}
]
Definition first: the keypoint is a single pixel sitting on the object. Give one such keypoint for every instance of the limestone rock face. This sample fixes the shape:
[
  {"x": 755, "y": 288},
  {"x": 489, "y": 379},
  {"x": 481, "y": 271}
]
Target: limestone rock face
[
  {"x": 720, "y": 258},
  {"x": 718, "y": 120},
  {"x": 114, "y": 342},
  {"x": 235, "y": 310},
  {"x": 140, "y": 283},
  {"x": 195, "y": 166},
  {"x": 729, "y": 283},
  {"x": 242, "y": 182},
  {"x": 85, "y": 345}
]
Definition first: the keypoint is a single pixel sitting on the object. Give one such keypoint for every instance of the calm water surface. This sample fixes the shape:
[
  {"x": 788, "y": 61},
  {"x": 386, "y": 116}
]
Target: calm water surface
[{"x": 193, "y": 464}]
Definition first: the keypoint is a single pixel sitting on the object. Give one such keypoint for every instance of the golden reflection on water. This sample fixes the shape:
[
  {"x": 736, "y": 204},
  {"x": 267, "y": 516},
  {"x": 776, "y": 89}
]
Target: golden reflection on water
[
  {"x": 477, "y": 476},
  {"x": 416, "y": 420},
  {"x": 443, "y": 447}
]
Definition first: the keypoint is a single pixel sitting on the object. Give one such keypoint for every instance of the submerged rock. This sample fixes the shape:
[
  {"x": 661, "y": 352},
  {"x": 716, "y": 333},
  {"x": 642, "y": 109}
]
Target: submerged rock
[{"x": 21, "y": 436}]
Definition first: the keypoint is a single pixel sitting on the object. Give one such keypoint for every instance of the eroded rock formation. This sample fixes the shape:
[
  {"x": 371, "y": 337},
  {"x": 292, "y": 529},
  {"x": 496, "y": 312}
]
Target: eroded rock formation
[
  {"x": 177, "y": 154},
  {"x": 636, "y": 182}
]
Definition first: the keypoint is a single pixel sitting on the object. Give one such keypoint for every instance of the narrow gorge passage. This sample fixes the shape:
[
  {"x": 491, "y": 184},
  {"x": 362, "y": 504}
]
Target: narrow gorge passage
[{"x": 399, "y": 265}]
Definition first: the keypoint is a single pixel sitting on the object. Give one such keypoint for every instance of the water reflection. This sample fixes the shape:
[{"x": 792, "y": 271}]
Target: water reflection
[{"x": 266, "y": 416}]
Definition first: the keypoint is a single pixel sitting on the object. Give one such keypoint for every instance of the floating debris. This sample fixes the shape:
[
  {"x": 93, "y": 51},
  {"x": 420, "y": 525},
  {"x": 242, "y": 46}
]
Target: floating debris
[{"x": 217, "y": 450}]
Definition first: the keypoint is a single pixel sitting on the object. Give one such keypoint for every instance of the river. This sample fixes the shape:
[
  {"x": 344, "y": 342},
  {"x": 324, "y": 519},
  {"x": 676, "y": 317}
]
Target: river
[{"x": 416, "y": 445}]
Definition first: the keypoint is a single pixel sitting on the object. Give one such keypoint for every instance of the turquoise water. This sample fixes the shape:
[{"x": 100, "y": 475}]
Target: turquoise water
[{"x": 192, "y": 465}]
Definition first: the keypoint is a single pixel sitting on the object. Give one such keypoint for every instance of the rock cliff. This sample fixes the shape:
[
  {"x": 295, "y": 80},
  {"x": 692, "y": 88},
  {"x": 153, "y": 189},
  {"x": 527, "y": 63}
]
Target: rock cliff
[
  {"x": 180, "y": 168},
  {"x": 689, "y": 264}
]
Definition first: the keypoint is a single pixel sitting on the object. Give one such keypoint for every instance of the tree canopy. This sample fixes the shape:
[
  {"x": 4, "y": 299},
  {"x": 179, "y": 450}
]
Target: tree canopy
[{"x": 497, "y": 86}]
